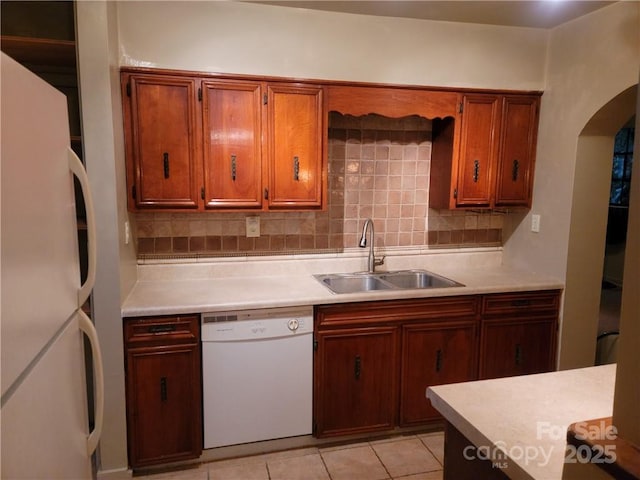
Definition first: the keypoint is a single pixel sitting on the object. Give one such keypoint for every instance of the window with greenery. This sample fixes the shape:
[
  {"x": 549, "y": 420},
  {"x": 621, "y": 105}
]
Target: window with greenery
[{"x": 622, "y": 163}]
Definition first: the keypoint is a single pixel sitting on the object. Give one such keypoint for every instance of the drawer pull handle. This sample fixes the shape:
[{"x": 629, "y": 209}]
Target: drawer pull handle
[
  {"x": 521, "y": 303},
  {"x": 165, "y": 161},
  {"x": 476, "y": 170},
  {"x": 162, "y": 328},
  {"x": 438, "y": 360},
  {"x": 515, "y": 170},
  {"x": 357, "y": 367},
  {"x": 518, "y": 354},
  {"x": 163, "y": 389}
]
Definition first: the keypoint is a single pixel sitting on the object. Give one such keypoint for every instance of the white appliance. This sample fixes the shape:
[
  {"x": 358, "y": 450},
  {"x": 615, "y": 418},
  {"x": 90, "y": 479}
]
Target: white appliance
[
  {"x": 43, "y": 412},
  {"x": 257, "y": 375}
]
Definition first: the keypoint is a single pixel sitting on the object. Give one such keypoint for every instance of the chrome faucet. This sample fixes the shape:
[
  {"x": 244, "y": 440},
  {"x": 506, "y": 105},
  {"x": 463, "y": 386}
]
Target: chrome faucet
[{"x": 371, "y": 261}]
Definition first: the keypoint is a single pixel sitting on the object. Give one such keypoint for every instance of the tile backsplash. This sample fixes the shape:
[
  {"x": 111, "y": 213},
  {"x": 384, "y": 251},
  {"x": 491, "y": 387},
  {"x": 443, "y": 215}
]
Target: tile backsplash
[{"x": 378, "y": 168}]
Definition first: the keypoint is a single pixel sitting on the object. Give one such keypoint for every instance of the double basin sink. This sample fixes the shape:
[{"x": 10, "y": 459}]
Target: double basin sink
[{"x": 395, "y": 280}]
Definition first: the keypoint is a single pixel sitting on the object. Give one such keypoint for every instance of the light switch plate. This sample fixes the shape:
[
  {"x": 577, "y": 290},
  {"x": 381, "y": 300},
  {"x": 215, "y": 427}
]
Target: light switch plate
[{"x": 253, "y": 227}]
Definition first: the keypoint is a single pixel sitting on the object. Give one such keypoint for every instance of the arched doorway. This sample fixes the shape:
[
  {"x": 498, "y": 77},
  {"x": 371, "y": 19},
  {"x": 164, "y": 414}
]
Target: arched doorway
[{"x": 587, "y": 235}]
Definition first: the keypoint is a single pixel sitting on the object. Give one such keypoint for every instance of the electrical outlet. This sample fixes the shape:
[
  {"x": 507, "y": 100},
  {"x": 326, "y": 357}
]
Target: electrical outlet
[
  {"x": 535, "y": 223},
  {"x": 253, "y": 227}
]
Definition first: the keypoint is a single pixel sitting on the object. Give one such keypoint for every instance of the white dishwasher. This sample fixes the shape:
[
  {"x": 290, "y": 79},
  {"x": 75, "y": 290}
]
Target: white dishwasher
[{"x": 257, "y": 369}]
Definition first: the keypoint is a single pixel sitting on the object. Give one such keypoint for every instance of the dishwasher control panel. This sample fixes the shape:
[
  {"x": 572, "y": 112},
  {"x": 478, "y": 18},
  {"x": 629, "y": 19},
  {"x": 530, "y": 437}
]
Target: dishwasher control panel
[{"x": 260, "y": 323}]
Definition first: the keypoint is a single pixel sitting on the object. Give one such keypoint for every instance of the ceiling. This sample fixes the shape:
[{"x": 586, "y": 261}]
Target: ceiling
[{"x": 519, "y": 13}]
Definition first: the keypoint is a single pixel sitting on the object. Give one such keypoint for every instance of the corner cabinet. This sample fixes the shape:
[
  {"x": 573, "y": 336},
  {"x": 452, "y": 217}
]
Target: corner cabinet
[
  {"x": 223, "y": 143},
  {"x": 493, "y": 163},
  {"x": 163, "y": 389}
]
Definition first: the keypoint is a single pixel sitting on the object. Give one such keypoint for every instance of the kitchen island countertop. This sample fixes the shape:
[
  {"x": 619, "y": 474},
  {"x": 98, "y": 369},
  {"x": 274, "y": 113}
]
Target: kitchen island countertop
[{"x": 527, "y": 416}]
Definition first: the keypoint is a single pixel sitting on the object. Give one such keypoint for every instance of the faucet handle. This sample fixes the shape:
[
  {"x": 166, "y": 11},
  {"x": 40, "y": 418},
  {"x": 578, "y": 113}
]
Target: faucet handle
[{"x": 378, "y": 261}]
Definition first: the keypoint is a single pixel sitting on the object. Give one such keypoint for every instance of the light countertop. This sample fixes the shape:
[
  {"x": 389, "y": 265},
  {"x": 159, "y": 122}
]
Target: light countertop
[
  {"x": 527, "y": 416},
  {"x": 165, "y": 289}
]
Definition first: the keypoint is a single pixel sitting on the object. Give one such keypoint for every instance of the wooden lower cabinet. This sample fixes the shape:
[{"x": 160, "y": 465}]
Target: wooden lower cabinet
[
  {"x": 517, "y": 346},
  {"x": 356, "y": 380},
  {"x": 434, "y": 354},
  {"x": 164, "y": 393},
  {"x": 518, "y": 333},
  {"x": 373, "y": 361}
]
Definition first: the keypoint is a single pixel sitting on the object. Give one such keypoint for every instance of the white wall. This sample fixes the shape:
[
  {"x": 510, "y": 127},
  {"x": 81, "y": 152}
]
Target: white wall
[
  {"x": 591, "y": 60},
  {"x": 246, "y": 38},
  {"x": 104, "y": 157}
]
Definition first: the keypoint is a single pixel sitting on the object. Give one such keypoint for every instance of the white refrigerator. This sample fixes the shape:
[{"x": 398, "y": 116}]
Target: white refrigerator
[{"x": 43, "y": 408}]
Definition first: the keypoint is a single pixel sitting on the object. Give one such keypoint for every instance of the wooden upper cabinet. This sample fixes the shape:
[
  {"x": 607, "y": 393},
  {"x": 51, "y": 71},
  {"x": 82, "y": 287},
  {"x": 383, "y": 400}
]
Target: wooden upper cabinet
[
  {"x": 517, "y": 151},
  {"x": 232, "y": 144},
  {"x": 208, "y": 143},
  {"x": 488, "y": 161},
  {"x": 478, "y": 150},
  {"x": 295, "y": 146},
  {"x": 161, "y": 141}
]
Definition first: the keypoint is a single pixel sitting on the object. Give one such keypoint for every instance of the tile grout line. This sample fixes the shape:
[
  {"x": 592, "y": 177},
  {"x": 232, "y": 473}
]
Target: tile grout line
[
  {"x": 324, "y": 464},
  {"x": 380, "y": 460}
]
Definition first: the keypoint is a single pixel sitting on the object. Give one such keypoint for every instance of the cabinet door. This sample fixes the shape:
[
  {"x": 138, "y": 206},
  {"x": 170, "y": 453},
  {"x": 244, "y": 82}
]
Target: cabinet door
[
  {"x": 516, "y": 346},
  {"x": 478, "y": 150},
  {"x": 517, "y": 150},
  {"x": 433, "y": 354},
  {"x": 295, "y": 143},
  {"x": 232, "y": 142},
  {"x": 164, "y": 404},
  {"x": 355, "y": 380},
  {"x": 163, "y": 142}
]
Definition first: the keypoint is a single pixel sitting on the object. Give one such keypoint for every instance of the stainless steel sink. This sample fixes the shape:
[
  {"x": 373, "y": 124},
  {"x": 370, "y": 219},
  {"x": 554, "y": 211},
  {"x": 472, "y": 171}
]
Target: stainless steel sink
[
  {"x": 417, "y": 279},
  {"x": 396, "y": 280},
  {"x": 349, "y": 283}
]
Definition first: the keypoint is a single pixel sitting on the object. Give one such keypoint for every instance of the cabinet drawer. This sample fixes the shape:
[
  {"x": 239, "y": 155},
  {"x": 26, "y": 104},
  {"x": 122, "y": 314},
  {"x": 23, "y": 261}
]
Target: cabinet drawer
[
  {"x": 161, "y": 330},
  {"x": 395, "y": 311},
  {"x": 527, "y": 302}
]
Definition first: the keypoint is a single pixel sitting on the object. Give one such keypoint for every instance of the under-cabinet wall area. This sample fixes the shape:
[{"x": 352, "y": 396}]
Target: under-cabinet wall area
[{"x": 379, "y": 167}]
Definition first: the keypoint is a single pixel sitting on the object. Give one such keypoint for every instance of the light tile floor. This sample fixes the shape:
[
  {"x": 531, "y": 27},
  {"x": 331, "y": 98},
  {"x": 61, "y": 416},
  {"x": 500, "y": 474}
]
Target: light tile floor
[{"x": 411, "y": 457}]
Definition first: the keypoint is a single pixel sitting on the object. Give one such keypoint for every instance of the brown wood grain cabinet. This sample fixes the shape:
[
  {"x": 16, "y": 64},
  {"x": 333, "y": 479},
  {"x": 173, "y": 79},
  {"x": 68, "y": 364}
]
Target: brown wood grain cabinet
[
  {"x": 374, "y": 360},
  {"x": 355, "y": 379},
  {"x": 516, "y": 162},
  {"x": 198, "y": 143},
  {"x": 434, "y": 353},
  {"x": 163, "y": 389},
  {"x": 518, "y": 333},
  {"x": 163, "y": 170},
  {"x": 491, "y": 164},
  {"x": 232, "y": 122},
  {"x": 295, "y": 133}
]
